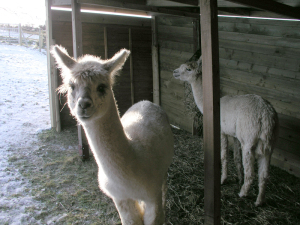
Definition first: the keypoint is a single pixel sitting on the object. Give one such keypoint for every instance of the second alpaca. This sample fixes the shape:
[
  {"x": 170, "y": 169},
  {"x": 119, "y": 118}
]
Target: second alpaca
[{"x": 250, "y": 120}]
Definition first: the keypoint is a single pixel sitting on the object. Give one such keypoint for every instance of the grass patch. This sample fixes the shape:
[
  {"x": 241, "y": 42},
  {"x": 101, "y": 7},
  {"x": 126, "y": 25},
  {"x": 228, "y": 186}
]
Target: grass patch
[
  {"x": 67, "y": 185},
  {"x": 69, "y": 189}
]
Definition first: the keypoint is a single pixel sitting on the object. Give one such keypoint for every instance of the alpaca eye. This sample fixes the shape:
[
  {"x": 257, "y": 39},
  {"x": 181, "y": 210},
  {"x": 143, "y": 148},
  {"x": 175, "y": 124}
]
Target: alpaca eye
[
  {"x": 72, "y": 86},
  {"x": 188, "y": 69},
  {"x": 101, "y": 89}
]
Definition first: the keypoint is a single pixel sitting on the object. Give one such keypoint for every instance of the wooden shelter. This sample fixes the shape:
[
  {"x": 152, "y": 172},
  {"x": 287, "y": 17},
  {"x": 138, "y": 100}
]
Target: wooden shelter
[{"x": 241, "y": 54}]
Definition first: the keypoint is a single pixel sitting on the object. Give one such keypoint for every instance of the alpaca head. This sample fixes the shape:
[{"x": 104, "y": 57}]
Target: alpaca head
[
  {"x": 190, "y": 71},
  {"x": 88, "y": 82}
]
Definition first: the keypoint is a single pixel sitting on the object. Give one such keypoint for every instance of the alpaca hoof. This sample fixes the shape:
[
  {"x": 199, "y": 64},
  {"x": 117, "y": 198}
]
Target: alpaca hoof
[
  {"x": 242, "y": 194},
  {"x": 259, "y": 203}
]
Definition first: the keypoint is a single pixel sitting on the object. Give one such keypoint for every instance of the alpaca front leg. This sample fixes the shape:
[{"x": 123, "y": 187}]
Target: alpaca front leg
[
  {"x": 248, "y": 162},
  {"x": 154, "y": 214},
  {"x": 129, "y": 211},
  {"x": 224, "y": 157},
  {"x": 263, "y": 175},
  {"x": 237, "y": 154}
]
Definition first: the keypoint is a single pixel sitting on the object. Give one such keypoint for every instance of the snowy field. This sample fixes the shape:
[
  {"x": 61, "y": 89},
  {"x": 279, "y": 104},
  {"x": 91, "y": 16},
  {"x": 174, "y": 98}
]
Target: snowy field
[{"x": 24, "y": 111}]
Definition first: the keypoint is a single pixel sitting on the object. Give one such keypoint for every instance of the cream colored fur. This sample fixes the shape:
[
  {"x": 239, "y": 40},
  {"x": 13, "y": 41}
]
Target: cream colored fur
[
  {"x": 250, "y": 120},
  {"x": 134, "y": 152}
]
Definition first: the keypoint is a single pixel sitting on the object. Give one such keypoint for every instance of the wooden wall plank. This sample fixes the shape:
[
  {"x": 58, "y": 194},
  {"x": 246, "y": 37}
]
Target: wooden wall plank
[
  {"x": 261, "y": 48},
  {"x": 142, "y": 64},
  {"x": 286, "y": 161},
  {"x": 117, "y": 38},
  {"x": 285, "y": 42},
  {"x": 267, "y": 30},
  {"x": 287, "y": 87},
  {"x": 175, "y": 39},
  {"x": 260, "y": 59},
  {"x": 260, "y": 69}
]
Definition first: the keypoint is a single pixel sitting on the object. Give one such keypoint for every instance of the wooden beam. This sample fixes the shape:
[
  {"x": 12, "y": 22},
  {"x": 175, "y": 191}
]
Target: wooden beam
[
  {"x": 150, "y": 10},
  {"x": 211, "y": 110},
  {"x": 189, "y": 2},
  {"x": 77, "y": 52},
  {"x": 272, "y": 6},
  {"x": 166, "y": 3},
  {"x": 52, "y": 75},
  {"x": 105, "y": 43}
]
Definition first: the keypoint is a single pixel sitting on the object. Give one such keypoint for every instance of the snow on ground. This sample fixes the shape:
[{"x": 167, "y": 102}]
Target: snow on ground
[{"x": 24, "y": 110}]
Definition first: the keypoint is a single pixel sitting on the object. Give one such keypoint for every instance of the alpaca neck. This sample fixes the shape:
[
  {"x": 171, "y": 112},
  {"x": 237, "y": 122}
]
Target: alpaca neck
[
  {"x": 108, "y": 140},
  {"x": 198, "y": 93}
]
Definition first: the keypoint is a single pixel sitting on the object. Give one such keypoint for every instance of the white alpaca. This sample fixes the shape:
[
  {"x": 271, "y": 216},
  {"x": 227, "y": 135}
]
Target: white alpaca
[
  {"x": 133, "y": 153},
  {"x": 250, "y": 119}
]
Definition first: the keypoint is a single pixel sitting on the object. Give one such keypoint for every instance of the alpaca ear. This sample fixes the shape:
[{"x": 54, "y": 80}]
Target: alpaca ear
[
  {"x": 199, "y": 61},
  {"x": 116, "y": 63},
  {"x": 196, "y": 56},
  {"x": 62, "y": 57}
]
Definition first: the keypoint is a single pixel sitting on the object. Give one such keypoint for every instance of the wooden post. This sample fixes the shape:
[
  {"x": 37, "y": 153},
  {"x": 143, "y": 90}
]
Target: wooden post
[
  {"x": 20, "y": 34},
  {"x": 76, "y": 29},
  {"x": 52, "y": 75},
  {"x": 77, "y": 51},
  {"x": 155, "y": 63},
  {"x": 105, "y": 43},
  {"x": 55, "y": 96},
  {"x": 197, "y": 45},
  {"x": 131, "y": 67},
  {"x": 211, "y": 110}
]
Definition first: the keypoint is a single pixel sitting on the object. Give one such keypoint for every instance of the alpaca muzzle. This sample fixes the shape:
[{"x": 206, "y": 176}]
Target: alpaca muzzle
[
  {"x": 176, "y": 74},
  {"x": 85, "y": 107},
  {"x": 85, "y": 103}
]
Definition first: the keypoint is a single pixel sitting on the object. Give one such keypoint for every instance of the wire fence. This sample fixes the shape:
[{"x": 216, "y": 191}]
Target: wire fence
[{"x": 23, "y": 35}]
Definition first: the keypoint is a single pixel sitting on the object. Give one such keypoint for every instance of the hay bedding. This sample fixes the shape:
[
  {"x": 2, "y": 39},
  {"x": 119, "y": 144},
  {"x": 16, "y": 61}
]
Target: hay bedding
[
  {"x": 68, "y": 187},
  {"x": 186, "y": 191}
]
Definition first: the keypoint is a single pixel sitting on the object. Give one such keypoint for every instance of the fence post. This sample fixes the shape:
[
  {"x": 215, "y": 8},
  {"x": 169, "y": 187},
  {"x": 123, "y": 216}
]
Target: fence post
[
  {"x": 20, "y": 34},
  {"x": 40, "y": 39}
]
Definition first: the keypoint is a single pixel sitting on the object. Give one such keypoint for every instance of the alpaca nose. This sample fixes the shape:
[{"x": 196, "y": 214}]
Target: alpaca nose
[{"x": 85, "y": 103}]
